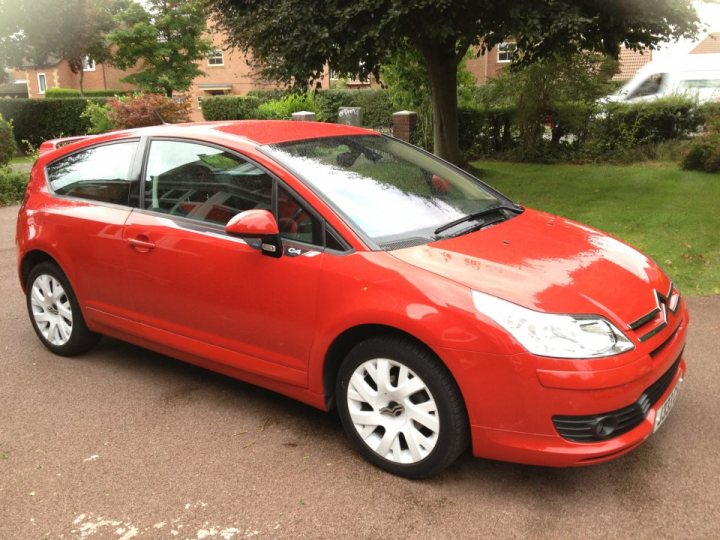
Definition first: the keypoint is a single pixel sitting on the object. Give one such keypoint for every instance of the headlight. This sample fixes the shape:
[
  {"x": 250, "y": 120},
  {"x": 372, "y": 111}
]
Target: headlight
[{"x": 548, "y": 334}]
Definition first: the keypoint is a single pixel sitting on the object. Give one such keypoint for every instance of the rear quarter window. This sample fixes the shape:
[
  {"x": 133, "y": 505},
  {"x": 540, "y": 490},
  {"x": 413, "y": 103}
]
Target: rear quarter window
[{"x": 100, "y": 173}]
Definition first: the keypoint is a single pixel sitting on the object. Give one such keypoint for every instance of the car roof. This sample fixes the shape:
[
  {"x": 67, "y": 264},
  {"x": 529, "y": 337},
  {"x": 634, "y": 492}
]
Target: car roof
[
  {"x": 279, "y": 131},
  {"x": 257, "y": 132}
]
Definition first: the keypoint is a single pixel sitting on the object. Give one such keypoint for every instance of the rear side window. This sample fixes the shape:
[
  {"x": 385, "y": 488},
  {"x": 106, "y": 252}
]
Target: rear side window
[{"x": 101, "y": 173}]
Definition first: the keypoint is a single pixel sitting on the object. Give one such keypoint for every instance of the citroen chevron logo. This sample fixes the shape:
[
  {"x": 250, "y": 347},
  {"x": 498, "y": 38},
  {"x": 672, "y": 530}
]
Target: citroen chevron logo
[{"x": 663, "y": 303}]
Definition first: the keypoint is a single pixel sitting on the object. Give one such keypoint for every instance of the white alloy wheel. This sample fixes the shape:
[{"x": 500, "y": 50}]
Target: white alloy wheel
[
  {"x": 51, "y": 309},
  {"x": 393, "y": 411}
]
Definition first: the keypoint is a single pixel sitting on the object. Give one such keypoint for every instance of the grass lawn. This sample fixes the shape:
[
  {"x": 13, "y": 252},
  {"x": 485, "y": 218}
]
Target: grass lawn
[{"x": 670, "y": 214}]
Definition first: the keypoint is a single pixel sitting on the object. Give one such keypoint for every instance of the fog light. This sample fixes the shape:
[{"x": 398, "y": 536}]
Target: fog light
[{"x": 605, "y": 426}]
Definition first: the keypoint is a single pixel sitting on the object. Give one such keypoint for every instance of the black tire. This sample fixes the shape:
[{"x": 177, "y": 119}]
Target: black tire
[
  {"x": 80, "y": 338},
  {"x": 451, "y": 436}
]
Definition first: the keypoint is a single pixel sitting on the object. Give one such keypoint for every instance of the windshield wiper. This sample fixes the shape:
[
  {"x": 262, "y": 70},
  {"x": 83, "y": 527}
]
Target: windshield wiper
[{"x": 477, "y": 215}]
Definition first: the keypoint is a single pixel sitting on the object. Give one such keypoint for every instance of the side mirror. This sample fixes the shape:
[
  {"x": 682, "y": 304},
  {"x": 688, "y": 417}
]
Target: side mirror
[{"x": 257, "y": 224}]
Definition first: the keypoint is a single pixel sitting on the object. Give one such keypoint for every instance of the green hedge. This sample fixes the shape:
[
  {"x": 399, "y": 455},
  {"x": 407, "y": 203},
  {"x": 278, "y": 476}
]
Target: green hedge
[
  {"x": 68, "y": 93},
  {"x": 623, "y": 125},
  {"x": 230, "y": 108},
  {"x": 485, "y": 131},
  {"x": 37, "y": 120},
  {"x": 376, "y": 105}
]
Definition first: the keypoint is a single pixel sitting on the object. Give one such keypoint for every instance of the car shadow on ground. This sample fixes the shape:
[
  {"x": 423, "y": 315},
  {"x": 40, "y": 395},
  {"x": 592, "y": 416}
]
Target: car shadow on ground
[{"x": 181, "y": 383}]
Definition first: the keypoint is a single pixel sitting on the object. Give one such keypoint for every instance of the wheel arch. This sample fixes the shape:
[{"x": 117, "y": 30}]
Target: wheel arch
[
  {"x": 30, "y": 260},
  {"x": 350, "y": 337}
]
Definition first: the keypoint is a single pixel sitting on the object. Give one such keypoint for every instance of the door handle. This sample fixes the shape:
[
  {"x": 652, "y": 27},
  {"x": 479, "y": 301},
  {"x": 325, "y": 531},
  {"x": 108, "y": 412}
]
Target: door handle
[{"x": 141, "y": 244}]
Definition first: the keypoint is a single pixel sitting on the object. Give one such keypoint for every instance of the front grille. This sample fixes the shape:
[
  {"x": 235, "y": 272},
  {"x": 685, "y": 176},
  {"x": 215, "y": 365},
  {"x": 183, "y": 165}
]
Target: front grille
[{"x": 585, "y": 429}]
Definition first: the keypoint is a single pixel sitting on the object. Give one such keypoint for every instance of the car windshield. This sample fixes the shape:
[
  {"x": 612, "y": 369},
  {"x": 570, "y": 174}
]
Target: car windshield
[{"x": 392, "y": 192}]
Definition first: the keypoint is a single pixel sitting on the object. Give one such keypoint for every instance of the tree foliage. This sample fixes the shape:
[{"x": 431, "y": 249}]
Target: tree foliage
[
  {"x": 43, "y": 31},
  {"x": 292, "y": 40},
  {"x": 161, "y": 43}
]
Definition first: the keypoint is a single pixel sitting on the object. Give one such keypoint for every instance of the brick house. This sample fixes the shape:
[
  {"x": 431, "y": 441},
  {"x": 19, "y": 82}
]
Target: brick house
[
  {"x": 487, "y": 66},
  {"x": 226, "y": 72},
  {"x": 57, "y": 74}
]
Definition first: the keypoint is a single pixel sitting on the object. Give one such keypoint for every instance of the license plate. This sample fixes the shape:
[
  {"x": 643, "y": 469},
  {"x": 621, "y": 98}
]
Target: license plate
[{"x": 664, "y": 409}]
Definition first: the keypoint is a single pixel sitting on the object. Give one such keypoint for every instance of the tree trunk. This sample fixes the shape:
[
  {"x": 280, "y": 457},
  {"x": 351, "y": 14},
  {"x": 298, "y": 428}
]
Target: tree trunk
[
  {"x": 82, "y": 78},
  {"x": 442, "y": 68}
]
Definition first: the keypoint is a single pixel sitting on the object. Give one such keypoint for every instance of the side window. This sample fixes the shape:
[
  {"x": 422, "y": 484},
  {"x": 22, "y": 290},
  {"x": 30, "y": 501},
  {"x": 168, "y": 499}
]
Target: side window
[
  {"x": 295, "y": 221},
  {"x": 203, "y": 182},
  {"x": 649, "y": 86},
  {"x": 101, "y": 173}
]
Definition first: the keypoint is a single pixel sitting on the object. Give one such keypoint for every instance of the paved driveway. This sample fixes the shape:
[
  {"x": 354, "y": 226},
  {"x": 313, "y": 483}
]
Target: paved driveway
[{"x": 124, "y": 443}]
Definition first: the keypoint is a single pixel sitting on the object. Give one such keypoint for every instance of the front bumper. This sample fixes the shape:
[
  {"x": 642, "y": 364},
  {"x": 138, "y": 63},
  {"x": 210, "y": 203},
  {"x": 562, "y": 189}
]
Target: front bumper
[{"x": 512, "y": 399}]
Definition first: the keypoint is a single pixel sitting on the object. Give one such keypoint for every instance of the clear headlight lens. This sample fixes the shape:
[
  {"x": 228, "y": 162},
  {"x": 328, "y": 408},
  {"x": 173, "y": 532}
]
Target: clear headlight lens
[{"x": 548, "y": 334}]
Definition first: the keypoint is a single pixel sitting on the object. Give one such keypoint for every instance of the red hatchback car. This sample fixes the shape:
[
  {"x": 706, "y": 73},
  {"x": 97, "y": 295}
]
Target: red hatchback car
[{"x": 348, "y": 269}]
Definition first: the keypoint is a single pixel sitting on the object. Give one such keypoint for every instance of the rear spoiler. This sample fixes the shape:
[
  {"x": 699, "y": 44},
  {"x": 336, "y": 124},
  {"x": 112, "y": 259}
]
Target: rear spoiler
[{"x": 54, "y": 144}]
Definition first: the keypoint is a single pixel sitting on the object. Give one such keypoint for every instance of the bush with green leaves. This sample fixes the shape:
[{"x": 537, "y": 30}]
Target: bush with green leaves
[
  {"x": 98, "y": 115},
  {"x": 703, "y": 152},
  {"x": 268, "y": 94},
  {"x": 7, "y": 141},
  {"x": 67, "y": 93},
  {"x": 37, "y": 120},
  {"x": 623, "y": 126},
  {"x": 283, "y": 108},
  {"x": 12, "y": 185},
  {"x": 230, "y": 107}
]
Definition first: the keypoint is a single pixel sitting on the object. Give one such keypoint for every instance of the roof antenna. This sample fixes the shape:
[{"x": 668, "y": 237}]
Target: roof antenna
[{"x": 157, "y": 112}]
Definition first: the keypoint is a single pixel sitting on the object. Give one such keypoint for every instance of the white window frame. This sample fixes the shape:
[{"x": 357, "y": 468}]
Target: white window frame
[
  {"x": 42, "y": 86},
  {"x": 88, "y": 64},
  {"x": 502, "y": 49},
  {"x": 213, "y": 55},
  {"x": 199, "y": 102}
]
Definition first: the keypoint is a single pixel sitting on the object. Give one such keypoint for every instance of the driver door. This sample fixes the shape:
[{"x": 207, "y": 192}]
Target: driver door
[{"x": 210, "y": 295}]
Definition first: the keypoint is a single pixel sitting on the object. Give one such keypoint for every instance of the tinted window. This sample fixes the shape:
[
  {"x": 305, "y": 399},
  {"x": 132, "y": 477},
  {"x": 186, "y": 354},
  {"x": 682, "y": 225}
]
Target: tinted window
[
  {"x": 101, "y": 173},
  {"x": 203, "y": 182},
  {"x": 295, "y": 221}
]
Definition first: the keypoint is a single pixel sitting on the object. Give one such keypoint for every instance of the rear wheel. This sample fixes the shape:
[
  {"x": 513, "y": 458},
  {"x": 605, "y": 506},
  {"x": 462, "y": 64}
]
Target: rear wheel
[
  {"x": 55, "y": 313},
  {"x": 401, "y": 408}
]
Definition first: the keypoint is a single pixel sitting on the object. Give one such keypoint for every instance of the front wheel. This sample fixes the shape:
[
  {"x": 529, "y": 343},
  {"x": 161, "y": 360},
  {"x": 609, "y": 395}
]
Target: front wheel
[
  {"x": 55, "y": 313},
  {"x": 401, "y": 407}
]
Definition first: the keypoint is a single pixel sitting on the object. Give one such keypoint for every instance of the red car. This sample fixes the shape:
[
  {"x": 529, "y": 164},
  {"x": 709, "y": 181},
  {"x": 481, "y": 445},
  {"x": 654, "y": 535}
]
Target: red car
[{"x": 350, "y": 270}]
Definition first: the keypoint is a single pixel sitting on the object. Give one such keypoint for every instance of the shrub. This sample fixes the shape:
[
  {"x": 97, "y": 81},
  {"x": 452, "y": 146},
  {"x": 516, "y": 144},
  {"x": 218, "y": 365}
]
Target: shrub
[
  {"x": 621, "y": 126},
  {"x": 37, "y": 120},
  {"x": 703, "y": 154},
  {"x": 376, "y": 104},
  {"x": 65, "y": 93},
  {"x": 98, "y": 115},
  {"x": 282, "y": 109},
  {"x": 12, "y": 185},
  {"x": 230, "y": 107},
  {"x": 270, "y": 94},
  {"x": 142, "y": 110},
  {"x": 7, "y": 141},
  {"x": 485, "y": 131}
]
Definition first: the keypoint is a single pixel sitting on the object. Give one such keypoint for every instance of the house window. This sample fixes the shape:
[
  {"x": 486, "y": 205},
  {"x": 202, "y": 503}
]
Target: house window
[
  {"x": 215, "y": 58},
  {"x": 505, "y": 51},
  {"x": 199, "y": 102},
  {"x": 88, "y": 64},
  {"x": 42, "y": 83}
]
